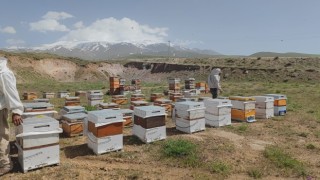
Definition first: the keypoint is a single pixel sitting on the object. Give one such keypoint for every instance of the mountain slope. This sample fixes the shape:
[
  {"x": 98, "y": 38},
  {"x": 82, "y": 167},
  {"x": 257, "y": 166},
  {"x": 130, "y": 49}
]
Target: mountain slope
[{"x": 289, "y": 54}]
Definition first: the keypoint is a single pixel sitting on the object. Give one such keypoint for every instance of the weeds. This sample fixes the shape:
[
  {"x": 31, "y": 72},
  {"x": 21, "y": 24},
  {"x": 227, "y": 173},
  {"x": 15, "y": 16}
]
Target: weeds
[
  {"x": 255, "y": 173},
  {"x": 283, "y": 160},
  {"x": 220, "y": 167},
  {"x": 310, "y": 146}
]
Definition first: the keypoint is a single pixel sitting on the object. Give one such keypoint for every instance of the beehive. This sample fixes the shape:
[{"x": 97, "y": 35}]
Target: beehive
[
  {"x": 37, "y": 107},
  {"x": 63, "y": 94},
  {"x": 119, "y": 99},
  {"x": 138, "y": 103},
  {"x": 109, "y": 106},
  {"x": 264, "y": 107},
  {"x": 30, "y": 96},
  {"x": 243, "y": 108},
  {"x": 190, "y": 83},
  {"x": 280, "y": 104},
  {"x": 37, "y": 140},
  {"x": 72, "y": 101},
  {"x": 149, "y": 119},
  {"x": 155, "y": 96},
  {"x": 218, "y": 112},
  {"x": 138, "y": 97},
  {"x": 48, "y": 95},
  {"x": 72, "y": 124},
  {"x": 105, "y": 130}
]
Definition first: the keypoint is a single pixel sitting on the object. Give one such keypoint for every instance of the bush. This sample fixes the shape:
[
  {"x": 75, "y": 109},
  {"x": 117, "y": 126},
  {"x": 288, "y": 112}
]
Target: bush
[{"x": 178, "y": 148}]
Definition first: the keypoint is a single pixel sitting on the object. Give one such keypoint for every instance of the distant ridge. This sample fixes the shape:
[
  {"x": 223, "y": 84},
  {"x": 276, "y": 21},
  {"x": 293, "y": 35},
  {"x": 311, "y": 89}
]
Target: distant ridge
[{"x": 289, "y": 54}]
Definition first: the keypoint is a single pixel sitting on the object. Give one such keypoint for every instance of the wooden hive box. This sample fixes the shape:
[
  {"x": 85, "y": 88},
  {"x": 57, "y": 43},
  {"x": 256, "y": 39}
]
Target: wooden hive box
[
  {"x": 72, "y": 129},
  {"x": 243, "y": 115},
  {"x": 30, "y": 96}
]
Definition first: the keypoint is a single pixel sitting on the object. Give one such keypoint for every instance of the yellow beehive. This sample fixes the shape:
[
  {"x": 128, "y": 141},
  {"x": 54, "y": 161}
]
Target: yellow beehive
[{"x": 243, "y": 115}]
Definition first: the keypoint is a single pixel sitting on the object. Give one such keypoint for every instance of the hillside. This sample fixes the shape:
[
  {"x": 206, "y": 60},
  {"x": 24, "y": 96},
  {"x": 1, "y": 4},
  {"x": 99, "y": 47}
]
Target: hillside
[{"x": 289, "y": 54}]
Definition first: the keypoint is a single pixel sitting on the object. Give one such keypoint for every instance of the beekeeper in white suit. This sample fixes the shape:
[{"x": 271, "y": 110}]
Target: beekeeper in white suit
[
  {"x": 214, "y": 82},
  {"x": 9, "y": 102}
]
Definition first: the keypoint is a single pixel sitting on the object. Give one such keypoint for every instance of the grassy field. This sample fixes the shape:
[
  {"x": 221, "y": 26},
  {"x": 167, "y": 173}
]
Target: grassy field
[{"x": 279, "y": 148}]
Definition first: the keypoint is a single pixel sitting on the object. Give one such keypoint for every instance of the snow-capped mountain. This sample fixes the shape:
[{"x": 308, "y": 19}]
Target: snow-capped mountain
[{"x": 104, "y": 50}]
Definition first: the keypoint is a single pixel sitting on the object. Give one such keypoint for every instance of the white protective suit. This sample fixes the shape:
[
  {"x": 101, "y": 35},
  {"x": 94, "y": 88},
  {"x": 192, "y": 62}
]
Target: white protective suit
[
  {"x": 9, "y": 101},
  {"x": 214, "y": 79},
  {"x": 9, "y": 96}
]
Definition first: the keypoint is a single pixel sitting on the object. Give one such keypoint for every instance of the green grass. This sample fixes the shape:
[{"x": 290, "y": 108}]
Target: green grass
[
  {"x": 284, "y": 160},
  {"x": 311, "y": 146},
  {"x": 182, "y": 151},
  {"x": 255, "y": 173},
  {"x": 219, "y": 167}
]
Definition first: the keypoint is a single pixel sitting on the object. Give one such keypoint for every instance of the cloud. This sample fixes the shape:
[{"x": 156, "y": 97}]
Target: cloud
[
  {"x": 15, "y": 42},
  {"x": 8, "y": 29},
  {"x": 114, "y": 31},
  {"x": 79, "y": 25},
  {"x": 56, "y": 15},
  {"x": 51, "y": 22}
]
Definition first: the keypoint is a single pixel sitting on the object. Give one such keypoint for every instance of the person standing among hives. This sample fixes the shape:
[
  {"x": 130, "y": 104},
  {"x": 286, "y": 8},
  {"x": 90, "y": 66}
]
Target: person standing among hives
[
  {"x": 214, "y": 82},
  {"x": 9, "y": 101}
]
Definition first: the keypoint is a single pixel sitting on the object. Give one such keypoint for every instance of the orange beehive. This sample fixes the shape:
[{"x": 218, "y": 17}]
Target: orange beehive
[
  {"x": 72, "y": 129},
  {"x": 30, "y": 96},
  {"x": 106, "y": 130},
  {"x": 243, "y": 115},
  {"x": 128, "y": 120},
  {"x": 280, "y": 102},
  {"x": 155, "y": 96},
  {"x": 120, "y": 101}
]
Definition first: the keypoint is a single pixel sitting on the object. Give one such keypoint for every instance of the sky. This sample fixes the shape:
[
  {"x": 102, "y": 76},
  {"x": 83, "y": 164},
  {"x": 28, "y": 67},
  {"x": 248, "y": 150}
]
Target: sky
[{"x": 230, "y": 27}]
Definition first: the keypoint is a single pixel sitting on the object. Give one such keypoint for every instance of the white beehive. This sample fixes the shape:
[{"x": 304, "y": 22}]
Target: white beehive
[
  {"x": 218, "y": 112},
  {"x": 149, "y": 135},
  {"x": 104, "y": 144},
  {"x": 190, "y": 126},
  {"x": 149, "y": 111}
]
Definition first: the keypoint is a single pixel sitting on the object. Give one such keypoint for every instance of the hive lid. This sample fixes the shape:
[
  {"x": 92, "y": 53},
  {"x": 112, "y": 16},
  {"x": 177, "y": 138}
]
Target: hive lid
[
  {"x": 75, "y": 116},
  {"x": 242, "y": 98},
  {"x": 73, "y": 108},
  {"x": 277, "y": 96},
  {"x": 37, "y": 105}
]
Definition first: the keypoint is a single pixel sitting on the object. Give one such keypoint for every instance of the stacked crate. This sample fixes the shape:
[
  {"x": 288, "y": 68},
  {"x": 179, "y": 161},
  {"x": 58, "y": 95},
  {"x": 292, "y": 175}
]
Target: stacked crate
[
  {"x": 122, "y": 84},
  {"x": 166, "y": 103},
  {"x": 175, "y": 96},
  {"x": 72, "y": 110},
  {"x": 37, "y": 140},
  {"x": 155, "y": 96},
  {"x": 48, "y": 95},
  {"x": 243, "y": 108},
  {"x": 95, "y": 97},
  {"x": 108, "y": 106},
  {"x": 280, "y": 104},
  {"x": 72, "y": 101},
  {"x": 127, "y": 116},
  {"x": 138, "y": 97},
  {"x": 189, "y": 116},
  {"x": 105, "y": 132},
  {"x": 29, "y": 96},
  {"x": 149, "y": 123},
  {"x": 119, "y": 99},
  {"x": 38, "y": 108},
  {"x": 264, "y": 107},
  {"x": 63, "y": 94},
  {"x": 138, "y": 104},
  {"x": 201, "y": 86},
  {"x": 114, "y": 85},
  {"x": 189, "y": 83},
  {"x": 218, "y": 112},
  {"x": 136, "y": 83},
  {"x": 174, "y": 84},
  {"x": 81, "y": 93},
  {"x": 72, "y": 124}
]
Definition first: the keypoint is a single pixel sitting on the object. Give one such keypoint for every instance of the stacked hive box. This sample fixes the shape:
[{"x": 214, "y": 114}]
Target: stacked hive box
[
  {"x": 243, "y": 108},
  {"x": 114, "y": 85},
  {"x": 218, "y": 112},
  {"x": 72, "y": 110},
  {"x": 109, "y": 106},
  {"x": 72, "y": 101},
  {"x": 63, "y": 94},
  {"x": 48, "y": 95},
  {"x": 105, "y": 131},
  {"x": 189, "y": 83},
  {"x": 175, "y": 96},
  {"x": 264, "y": 107},
  {"x": 29, "y": 96},
  {"x": 81, "y": 93},
  {"x": 191, "y": 94},
  {"x": 155, "y": 96},
  {"x": 280, "y": 104},
  {"x": 122, "y": 87},
  {"x": 138, "y": 97},
  {"x": 149, "y": 123},
  {"x": 72, "y": 124},
  {"x": 189, "y": 116},
  {"x": 201, "y": 86},
  {"x": 41, "y": 100},
  {"x": 174, "y": 84},
  {"x": 119, "y": 99},
  {"x": 38, "y": 108},
  {"x": 127, "y": 116},
  {"x": 136, "y": 83},
  {"x": 95, "y": 97},
  {"x": 166, "y": 103},
  {"x": 138, "y": 104},
  {"x": 37, "y": 140}
]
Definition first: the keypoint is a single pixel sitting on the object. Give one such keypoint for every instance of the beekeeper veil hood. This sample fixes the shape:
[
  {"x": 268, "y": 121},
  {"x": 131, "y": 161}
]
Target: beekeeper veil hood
[
  {"x": 216, "y": 71},
  {"x": 3, "y": 65}
]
